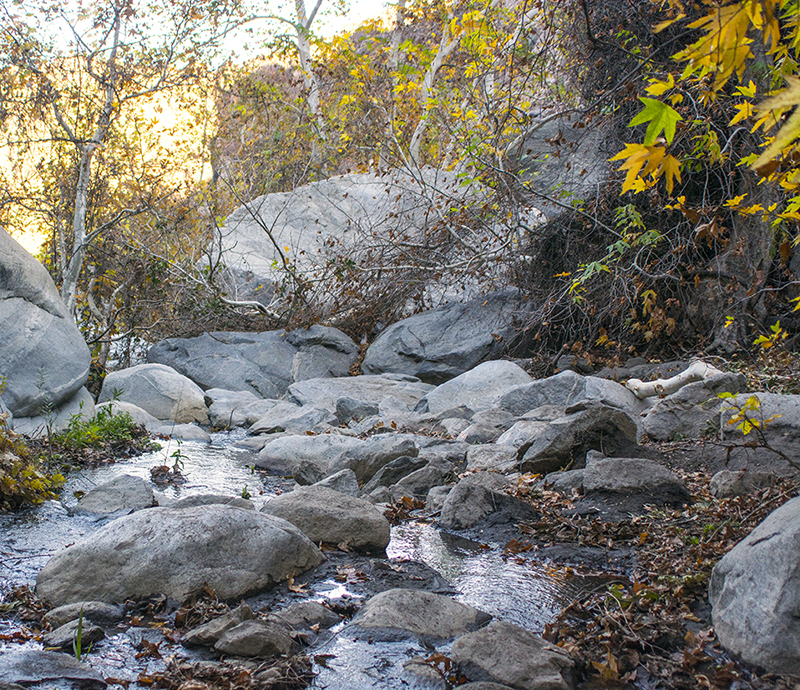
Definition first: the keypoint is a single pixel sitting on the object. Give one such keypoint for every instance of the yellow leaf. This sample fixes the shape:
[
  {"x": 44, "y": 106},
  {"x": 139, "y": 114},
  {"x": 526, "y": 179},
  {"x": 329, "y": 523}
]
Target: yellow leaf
[
  {"x": 744, "y": 110},
  {"x": 671, "y": 168},
  {"x": 658, "y": 87}
]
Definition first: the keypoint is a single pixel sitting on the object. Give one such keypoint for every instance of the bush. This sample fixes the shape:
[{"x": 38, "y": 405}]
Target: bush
[{"x": 103, "y": 429}]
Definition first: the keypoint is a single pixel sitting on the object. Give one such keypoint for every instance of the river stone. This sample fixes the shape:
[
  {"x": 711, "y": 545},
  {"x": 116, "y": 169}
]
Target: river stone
[
  {"x": 123, "y": 494},
  {"x": 523, "y": 432},
  {"x": 304, "y": 615},
  {"x": 351, "y": 409},
  {"x": 781, "y": 432},
  {"x": 137, "y": 414},
  {"x": 418, "y": 483},
  {"x": 207, "y": 634},
  {"x": 63, "y": 636},
  {"x": 507, "y": 654},
  {"x": 399, "y": 613},
  {"x": 328, "y": 516},
  {"x": 632, "y": 475},
  {"x": 370, "y": 456},
  {"x": 256, "y": 638},
  {"x": 477, "y": 434},
  {"x": 567, "y": 389},
  {"x": 45, "y": 358},
  {"x": 754, "y": 594},
  {"x": 476, "y": 388},
  {"x": 80, "y": 404},
  {"x": 369, "y": 389},
  {"x": 394, "y": 471},
  {"x": 568, "y": 438},
  {"x": 94, "y": 611},
  {"x": 323, "y": 352},
  {"x": 477, "y": 496},
  {"x": 440, "y": 344},
  {"x": 289, "y": 417},
  {"x": 184, "y": 432},
  {"x": 213, "y": 499},
  {"x": 692, "y": 410},
  {"x": 177, "y": 552},
  {"x": 160, "y": 390},
  {"x": 453, "y": 426},
  {"x": 343, "y": 481},
  {"x": 284, "y": 456},
  {"x": 727, "y": 483},
  {"x": 228, "y": 409},
  {"x": 436, "y": 497},
  {"x": 29, "y": 666},
  {"x": 491, "y": 456},
  {"x": 565, "y": 481}
]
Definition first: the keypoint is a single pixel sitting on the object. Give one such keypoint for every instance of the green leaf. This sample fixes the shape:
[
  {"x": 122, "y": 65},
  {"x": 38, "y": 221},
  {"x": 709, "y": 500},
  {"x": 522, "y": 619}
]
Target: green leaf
[{"x": 661, "y": 118}]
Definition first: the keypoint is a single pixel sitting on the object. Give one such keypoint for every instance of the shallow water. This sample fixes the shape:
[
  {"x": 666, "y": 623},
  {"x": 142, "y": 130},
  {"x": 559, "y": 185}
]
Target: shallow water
[{"x": 517, "y": 588}]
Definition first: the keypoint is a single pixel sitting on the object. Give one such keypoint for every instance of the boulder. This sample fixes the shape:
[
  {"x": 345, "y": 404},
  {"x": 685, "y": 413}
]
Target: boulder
[
  {"x": 492, "y": 456},
  {"x": 509, "y": 655},
  {"x": 159, "y": 390},
  {"x": 399, "y": 613},
  {"x": 523, "y": 432},
  {"x": 418, "y": 483},
  {"x": 175, "y": 553},
  {"x": 477, "y": 496},
  {"x": 476, "y": 434},
  {"x": 227, "y": 409},
  {"x": 394, "y": 471},
  {"x": 94, "y": 611},
  {"x": 568, "y": 438},
  {"x": 778, "y": 415},
  {"x": 289, "y": 417},
  {"x": 64, "y": 636},
  {"x": 322, "y": 352},
  {"x": 45, "y": 360},
  {"x": 213, "y": 499},
  {"x": 123, "y": 495},
  {"x": 440, "y": 344},
  {"x": 754, "y": 594},
  {"x": 256, "y": 638},
  {"x": 727, "y": 483},
  {"x": 353, "y": 410},
  {"x": 33, "y": 666},
  {"x": 207, "y": 634},
  {"x": 692, "y": 410},
  {"x": 565, "y": 482},
  {"x": 304, "y": 615},
  {"x": 285, "y": 455},
  {"x": 328, "y": 516},
  {"x": 343, "y": 481},
  {"x": 567, "y": 389},
  {"x": 370, "y": 456},
  {"x": 408, "y": 390},
  {"x": 138, "y": 415},
  {"x": 56, "y": 421},
  {"x": 477, "y": 388}
]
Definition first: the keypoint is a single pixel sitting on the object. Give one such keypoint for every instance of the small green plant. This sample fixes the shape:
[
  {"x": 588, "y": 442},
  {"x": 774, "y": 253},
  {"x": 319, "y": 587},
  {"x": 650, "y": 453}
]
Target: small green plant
[
  {"x": 178, "y": 456},
  {"x": 105, "y": 427},
  {"x": 245, "y": 493},
  {"x": 77, "y": 641}
]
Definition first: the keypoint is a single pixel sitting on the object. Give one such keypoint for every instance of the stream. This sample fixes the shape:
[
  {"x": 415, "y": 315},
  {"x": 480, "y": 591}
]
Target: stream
[{"x": 515, "y": 588}]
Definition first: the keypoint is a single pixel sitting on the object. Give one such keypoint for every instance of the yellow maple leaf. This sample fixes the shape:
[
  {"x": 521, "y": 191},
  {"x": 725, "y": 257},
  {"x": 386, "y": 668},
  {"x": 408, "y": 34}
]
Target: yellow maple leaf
[
  {"x": 671, "y": 169},
  {"x": 789, "y": 133}
]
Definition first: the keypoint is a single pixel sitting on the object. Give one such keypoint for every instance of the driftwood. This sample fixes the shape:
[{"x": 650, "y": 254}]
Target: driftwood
[{"x": 697, "y": 371}]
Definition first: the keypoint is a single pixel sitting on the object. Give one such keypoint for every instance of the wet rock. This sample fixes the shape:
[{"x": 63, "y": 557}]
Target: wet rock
[
  {"x": 176, "y": 552},
  {"x": 476, "y": 388},
  {"x": 351, "y": 409},
  {"x": 754, "y": 595},
  {"x": 94, "y": 611},
  {"x": 124, "y": 494},
  {"x": 366, "y": 458},
  {"x": 29, "y": 666},
  {"x": 394, "y": 471},
  {"x": 331, "y": 517},
  {"x": 399, "y": 613},
  {"x": 160, "y": 391},
  {"x": 64, "y": 636},
  {"x": 509, "y": 655},
  {"x": 418, "y": 483},
  {"x": 426, "y": 673},
  {"x": 283, "y": 456},
  {"x": 343, "y": 481},
  {"x": 567, "y": 389},
  {"x": 256, "y": 638},
  {"x": 370, "y": 389},
  {"x": 726, "y": 483},
  {"x": 477, "y": 496},
  {"x": 305, "y": 615},
  {"x": 491, "y": 456},
  {"x": 227, "y": 409},
  {"x": 185, "y": 432},
  {"x": 691, "y": 410},
  {"x": 213, "y": 499},
  {"x": 288, "y": 417},
  {"x": 45, "y": 358},
  {"x": 207, "y": 634},
  {"x": 569, "y": 438}
]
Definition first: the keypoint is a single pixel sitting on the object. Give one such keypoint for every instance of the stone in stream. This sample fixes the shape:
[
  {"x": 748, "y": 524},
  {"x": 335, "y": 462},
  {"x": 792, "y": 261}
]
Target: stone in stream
[
  {"x": 285, "y": 455},
  {"x": 207, "y": 634},
  {"x": 64, "y": 636},
  {"x": 31, "y": 666},
  {"x": 417, "y": 484},
  {"x": 94, "y": 611},
  {"x": 328, "y": 516},
  {"x": 159, "y": 390},
  {"x": 509, "y": 655},
  {"x": 256, "y": 638},
  {"x": 289, "y": 417},
  {"x": 754, "y": 594},
  {"x": 227, "y": 409},
  {"x": 213, "y": 499},
  {"x": 365, "y": 459},
  {"x": 45, "y": 358},
  {"x": 125, "y": 494},
  {"x": 178, "y": 552},
  {"x": 343, "y": 481},
  {"x": 394, "y": 471},
  {"x": 305, "y": 615},
  {"x": 477, "y": 496},
  {"x": 400, "y": 613}
]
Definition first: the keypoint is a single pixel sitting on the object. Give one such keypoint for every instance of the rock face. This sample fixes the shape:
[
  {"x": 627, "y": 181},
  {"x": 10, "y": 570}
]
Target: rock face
[
  {"x": 507, "y": 654},
  {"x": 755, "y": 597},
  {"x": 159, "y": 390},
  {"x": 329, "y": 516},
  {"x": 399, "y": 613},
  {"x": 175, "y": 552},
  {"x": 45, "y": 359},
  {"x": 261, "y": 363},
  {"x": 442, "y": 343}
]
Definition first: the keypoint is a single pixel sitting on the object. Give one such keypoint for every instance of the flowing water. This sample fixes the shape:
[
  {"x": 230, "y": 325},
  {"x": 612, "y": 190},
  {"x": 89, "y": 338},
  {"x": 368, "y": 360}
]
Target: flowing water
[{"x": 517, "y": 589}]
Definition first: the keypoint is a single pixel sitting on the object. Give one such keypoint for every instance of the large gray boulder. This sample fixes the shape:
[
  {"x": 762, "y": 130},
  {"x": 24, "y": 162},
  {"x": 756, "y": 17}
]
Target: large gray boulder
[
  {"x": 369, "y": 457},
  {"x": 55, "y": 421},
  {"x": 45, "y": 359},
  {"x": 407, "y": 390},
  {"x": 754, "y": 594},
  {"x": 123, "y": 494},
  {"x": 507, "y": 654},
  {"x": 287, "y": 454},
  {"x": 398, "y": 613},
  {"x": 476, "y": 388},
  {"x": 177, "y": 552},
  {"x": 261, "y": 363},
  {"x": 331, "y": 517},
  {"x": 159, "y": 390},
  {"x": 779, "y": 418},
  {"x": 34, "y": 666},
  {"x": 236, "y": 408},
  {"x": 440, "y": 344}
]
